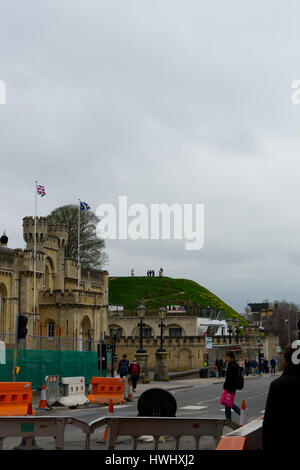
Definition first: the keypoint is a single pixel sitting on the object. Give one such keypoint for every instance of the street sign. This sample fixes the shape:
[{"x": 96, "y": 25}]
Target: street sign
[
  {"x": 278, "y": 349},
  {"x": 208, "y": 342},
  {"x": 2, "y": 353}
]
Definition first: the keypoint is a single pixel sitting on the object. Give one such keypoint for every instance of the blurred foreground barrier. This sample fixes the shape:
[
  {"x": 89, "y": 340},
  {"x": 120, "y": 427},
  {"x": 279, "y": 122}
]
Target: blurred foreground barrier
[
  {"x": 156, "y": 427},
  {"x": 248, "y": 437},
  {"x": 73, "y": 391},
  {"x": 38, "y": 426},
  {"x": 15, "y": 399},
  {"x": 104, "y": 389}
]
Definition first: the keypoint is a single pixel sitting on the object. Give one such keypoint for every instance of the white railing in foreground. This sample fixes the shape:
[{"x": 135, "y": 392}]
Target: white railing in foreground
[
  {"x": 156, "y": 427},
  {"x": 31, "y": 427}
]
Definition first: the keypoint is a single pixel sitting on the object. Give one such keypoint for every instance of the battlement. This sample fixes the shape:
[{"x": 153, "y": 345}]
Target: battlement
[
  {"x": 56, "y": 235},
  {"x": 29, "y": 221}
]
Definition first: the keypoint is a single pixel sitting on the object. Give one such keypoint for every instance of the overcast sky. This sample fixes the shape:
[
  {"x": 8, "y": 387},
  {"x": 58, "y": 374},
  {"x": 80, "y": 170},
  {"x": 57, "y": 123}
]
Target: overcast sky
[{"x": 165, "y": 101}]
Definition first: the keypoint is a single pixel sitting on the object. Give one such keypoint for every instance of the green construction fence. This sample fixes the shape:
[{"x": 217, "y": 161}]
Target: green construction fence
[{"x": 35, "y": 365}]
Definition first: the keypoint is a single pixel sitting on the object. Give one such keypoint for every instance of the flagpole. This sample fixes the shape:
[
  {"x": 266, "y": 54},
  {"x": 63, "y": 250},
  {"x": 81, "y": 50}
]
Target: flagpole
[
  {"x": 78, "y": 284},
  {"x": 34, "y": 258}
]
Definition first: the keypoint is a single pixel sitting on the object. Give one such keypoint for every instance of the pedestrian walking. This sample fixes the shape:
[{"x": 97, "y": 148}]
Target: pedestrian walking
[
  {"x": 134, "y": 371},
  {"x": 266, "y": 366},
  {"x": 273, "y": 365},
  {"x": 123, "y": 366},
  {"x": 231, "y": 384},
  {"x": 219, "y": 365},
  {"x": 247, "y": 367},
  {"x": 254, "y": 366},
  {"x": 282, "y": 410}
]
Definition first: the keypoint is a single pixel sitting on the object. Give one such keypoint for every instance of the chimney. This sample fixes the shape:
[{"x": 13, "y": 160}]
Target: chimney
[{"x": 3, "y": 239}]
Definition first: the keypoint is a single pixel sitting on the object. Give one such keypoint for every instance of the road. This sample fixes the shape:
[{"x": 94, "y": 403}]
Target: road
[{"x": 192, "y": 401}]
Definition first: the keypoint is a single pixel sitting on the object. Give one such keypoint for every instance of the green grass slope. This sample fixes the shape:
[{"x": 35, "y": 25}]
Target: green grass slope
[{"x": 155, "y": 292}]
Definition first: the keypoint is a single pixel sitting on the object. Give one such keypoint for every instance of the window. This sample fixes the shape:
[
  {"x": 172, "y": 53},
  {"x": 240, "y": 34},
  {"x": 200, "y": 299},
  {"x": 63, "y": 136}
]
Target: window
[
  {"x": 175, "y": 332},
  {"x": 51, "y": 326}
]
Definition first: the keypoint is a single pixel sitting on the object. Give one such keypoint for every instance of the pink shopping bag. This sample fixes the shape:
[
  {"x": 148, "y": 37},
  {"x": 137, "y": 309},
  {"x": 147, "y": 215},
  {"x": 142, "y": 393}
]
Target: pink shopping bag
[{"x": 227, "y": 399}]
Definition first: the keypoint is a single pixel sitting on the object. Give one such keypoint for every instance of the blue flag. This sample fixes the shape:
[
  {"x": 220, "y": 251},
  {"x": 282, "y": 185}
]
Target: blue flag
[{"x": 84, "y": 206}]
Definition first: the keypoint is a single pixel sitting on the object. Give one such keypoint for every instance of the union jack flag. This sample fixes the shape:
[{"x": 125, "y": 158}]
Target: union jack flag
[{"x": 40, "y": 190}]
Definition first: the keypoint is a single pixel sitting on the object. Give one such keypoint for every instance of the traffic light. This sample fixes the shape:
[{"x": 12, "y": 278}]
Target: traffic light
[
  {"x": 260, "y": 355},
  {"x": 102, "y": 355},
  {"x": 22, "y": 330}
]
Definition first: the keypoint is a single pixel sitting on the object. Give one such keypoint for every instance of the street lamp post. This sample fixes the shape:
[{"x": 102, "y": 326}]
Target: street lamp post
[
  {"x": 237, "y": 331},
  {"x": 141, "y": 309},
  {"x": 114, "y": 337},
  {"x": 162, "y": 315},
  {"x": 161, "y": 368},
  {"x": 230, "y": 333},
  {"x": 141, "y": 354}
]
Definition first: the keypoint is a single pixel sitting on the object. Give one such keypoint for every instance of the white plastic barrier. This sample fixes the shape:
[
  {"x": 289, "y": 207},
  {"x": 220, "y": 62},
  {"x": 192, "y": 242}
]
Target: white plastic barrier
[
  {"x": 73, "y": 391},
  {"x": 52, "y": 389}
]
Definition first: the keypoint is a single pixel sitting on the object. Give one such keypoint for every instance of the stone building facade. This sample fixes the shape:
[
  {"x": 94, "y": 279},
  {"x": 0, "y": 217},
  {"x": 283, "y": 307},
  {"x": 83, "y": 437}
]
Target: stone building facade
[
  {"x": 77, "y": 316},
  {"x": 187, "y": 352}
]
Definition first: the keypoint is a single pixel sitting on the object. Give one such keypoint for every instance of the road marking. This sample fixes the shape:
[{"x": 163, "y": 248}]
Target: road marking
[
  {"x": 192, "y": 407},
  {"x": 121, "y": 406},
  {"x": 206, "y": 401}
]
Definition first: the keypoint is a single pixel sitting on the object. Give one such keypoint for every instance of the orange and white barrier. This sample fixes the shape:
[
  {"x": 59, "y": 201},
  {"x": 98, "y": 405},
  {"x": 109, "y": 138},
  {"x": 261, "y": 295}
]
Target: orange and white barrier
[
  {"x": 15, "y": 399},
  {"x": 105, "y": 389},
  {"x": 247, "y": 437}
]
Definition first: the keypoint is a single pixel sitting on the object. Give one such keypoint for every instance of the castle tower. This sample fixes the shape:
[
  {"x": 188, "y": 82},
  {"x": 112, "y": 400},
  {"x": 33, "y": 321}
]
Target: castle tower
[
  {"x": 28, "y": 232},
  {"x": 60, "y": 234}
]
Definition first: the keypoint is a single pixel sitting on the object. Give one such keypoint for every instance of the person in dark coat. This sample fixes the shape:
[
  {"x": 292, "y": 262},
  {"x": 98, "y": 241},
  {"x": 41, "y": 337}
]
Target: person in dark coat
[
  {"x": 247, "y": 367},
  {"x": 232, "y": 376},
  {"x": 273, "y": 365},
  {"x": 123, "y": 366},
  {"x": 219, "y": 365},
  {"x": 282, "y": 411}
]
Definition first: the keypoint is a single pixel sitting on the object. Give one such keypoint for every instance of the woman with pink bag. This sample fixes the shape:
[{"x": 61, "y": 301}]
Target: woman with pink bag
[{"x": 230, "y": 386}]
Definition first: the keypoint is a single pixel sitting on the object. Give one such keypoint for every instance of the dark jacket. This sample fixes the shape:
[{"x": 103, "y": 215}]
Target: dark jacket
[
  {"x": 219, "y": 363},
  {"x": 282, "y": 412},
  {"x": 123, "y": 362},
  {"x": 232, "y": 376}
]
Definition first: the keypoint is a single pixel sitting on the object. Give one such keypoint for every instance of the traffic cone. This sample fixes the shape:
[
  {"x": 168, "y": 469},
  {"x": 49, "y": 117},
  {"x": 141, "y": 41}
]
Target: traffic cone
[
  {"x": 43, "y": 400},
  {"x": 243, "y": 416},
  {"x": 30, "y": 411},
  {"x": 110, "y": 413},
  {"x": 130, "y": 396}
]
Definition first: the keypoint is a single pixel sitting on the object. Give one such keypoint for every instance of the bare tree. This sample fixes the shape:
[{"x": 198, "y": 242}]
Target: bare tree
[
  {"x": 283, "y": 322},
  {"x": 92, "y": 253}
]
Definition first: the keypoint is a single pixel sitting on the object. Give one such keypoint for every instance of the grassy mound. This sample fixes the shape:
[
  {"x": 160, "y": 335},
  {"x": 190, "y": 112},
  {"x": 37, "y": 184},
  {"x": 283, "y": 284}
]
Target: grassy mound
[{"x": 155, "y": 292}]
